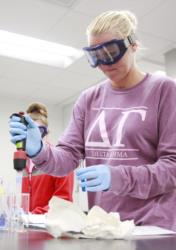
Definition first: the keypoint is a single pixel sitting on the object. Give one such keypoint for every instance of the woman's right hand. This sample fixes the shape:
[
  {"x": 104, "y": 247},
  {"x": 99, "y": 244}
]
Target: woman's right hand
[{"x": 31, "y": 133}]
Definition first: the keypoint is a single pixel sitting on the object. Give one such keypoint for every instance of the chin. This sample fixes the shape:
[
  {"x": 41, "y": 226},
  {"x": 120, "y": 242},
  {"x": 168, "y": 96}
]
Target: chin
[{"x": 114, "y": 77}]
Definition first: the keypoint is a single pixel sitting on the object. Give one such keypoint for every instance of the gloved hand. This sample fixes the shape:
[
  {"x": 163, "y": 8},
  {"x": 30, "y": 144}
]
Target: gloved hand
[
  {"x": 31, "y": 133},
  {"x": 94, "y": 178}
]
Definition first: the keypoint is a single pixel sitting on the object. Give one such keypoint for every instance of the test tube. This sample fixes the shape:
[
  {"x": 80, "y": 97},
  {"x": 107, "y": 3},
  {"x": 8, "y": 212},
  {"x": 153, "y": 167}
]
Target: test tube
[
  {"x": 19, "y": 176},
  {"x": 83, "y": 199},
  {"x": 82, "y": 165}
]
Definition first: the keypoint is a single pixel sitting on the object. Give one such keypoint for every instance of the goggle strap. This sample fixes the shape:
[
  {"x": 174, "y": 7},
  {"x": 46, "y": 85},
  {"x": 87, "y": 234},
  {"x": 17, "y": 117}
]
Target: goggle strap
[
  {"x": 126, "y": 42},
  {"x": 131, "y": 38}
]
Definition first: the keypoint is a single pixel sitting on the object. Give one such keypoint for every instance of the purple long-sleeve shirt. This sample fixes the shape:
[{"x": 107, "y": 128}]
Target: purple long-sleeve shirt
[{"x": 134, "y": 132}]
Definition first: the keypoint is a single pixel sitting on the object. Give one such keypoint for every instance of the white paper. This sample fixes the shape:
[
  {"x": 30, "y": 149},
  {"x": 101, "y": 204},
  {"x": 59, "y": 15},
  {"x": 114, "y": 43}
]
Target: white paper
[
  {"x": 150, "y": 230},
  {"x": 65, "y": 218},
  {"x": 96, "y": 216}
]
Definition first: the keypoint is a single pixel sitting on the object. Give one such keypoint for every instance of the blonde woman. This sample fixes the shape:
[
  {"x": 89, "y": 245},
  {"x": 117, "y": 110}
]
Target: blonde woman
[
  {"x": 123, "y": 127},
  {"x": 41, "y": 186}
]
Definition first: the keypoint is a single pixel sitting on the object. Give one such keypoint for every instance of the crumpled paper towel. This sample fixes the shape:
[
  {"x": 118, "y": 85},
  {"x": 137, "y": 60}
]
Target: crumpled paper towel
[{"x": 64, "y": 218}]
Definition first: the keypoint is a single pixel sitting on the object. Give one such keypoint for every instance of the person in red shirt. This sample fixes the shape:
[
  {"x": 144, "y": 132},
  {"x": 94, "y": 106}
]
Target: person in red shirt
[{"x": 40, "y": 186}]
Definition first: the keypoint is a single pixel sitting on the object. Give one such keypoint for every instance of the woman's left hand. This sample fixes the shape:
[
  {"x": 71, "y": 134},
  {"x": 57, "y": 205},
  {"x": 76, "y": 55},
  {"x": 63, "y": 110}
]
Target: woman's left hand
[{"x": 94, "y": 178}]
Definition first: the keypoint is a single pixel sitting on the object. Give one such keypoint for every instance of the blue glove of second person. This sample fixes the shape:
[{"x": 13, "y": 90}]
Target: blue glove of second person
[
  {"x": 94, "y": 178},
  {"x": 31, "y": 133}
]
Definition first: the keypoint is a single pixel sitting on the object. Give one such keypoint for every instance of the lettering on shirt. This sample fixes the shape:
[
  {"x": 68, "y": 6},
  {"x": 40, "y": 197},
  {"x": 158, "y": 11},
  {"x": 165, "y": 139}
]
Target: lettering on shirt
[{"x": 103, "y": 148}]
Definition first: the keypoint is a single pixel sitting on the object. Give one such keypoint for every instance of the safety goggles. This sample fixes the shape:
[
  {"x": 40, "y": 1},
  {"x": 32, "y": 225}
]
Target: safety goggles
[
  {"x": 109, "y": 52},
  {"x": 43, "y": 130}
]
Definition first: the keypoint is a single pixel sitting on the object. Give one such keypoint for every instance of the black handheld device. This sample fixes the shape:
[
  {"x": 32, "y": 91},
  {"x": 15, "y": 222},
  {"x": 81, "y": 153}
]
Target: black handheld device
[{"x": 20, "y": 157}]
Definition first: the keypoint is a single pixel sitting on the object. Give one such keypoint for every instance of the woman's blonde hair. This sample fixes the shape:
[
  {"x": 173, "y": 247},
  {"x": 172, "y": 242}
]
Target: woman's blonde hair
[
  {"x": 124, "y": 23},
  {"x": 38, "y": 111}
]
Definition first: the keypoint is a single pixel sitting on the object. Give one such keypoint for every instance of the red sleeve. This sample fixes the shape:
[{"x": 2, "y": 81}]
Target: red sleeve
[
  {"x": 40, "y": 210},
  {"x": 64, "y": 187}
]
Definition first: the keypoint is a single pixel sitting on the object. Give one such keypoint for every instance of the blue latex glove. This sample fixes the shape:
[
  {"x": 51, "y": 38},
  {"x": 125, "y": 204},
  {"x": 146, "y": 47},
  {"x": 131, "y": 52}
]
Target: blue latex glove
[
  {"x": 94, "y": 178},
  {"x": 31, "y": 133}
]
